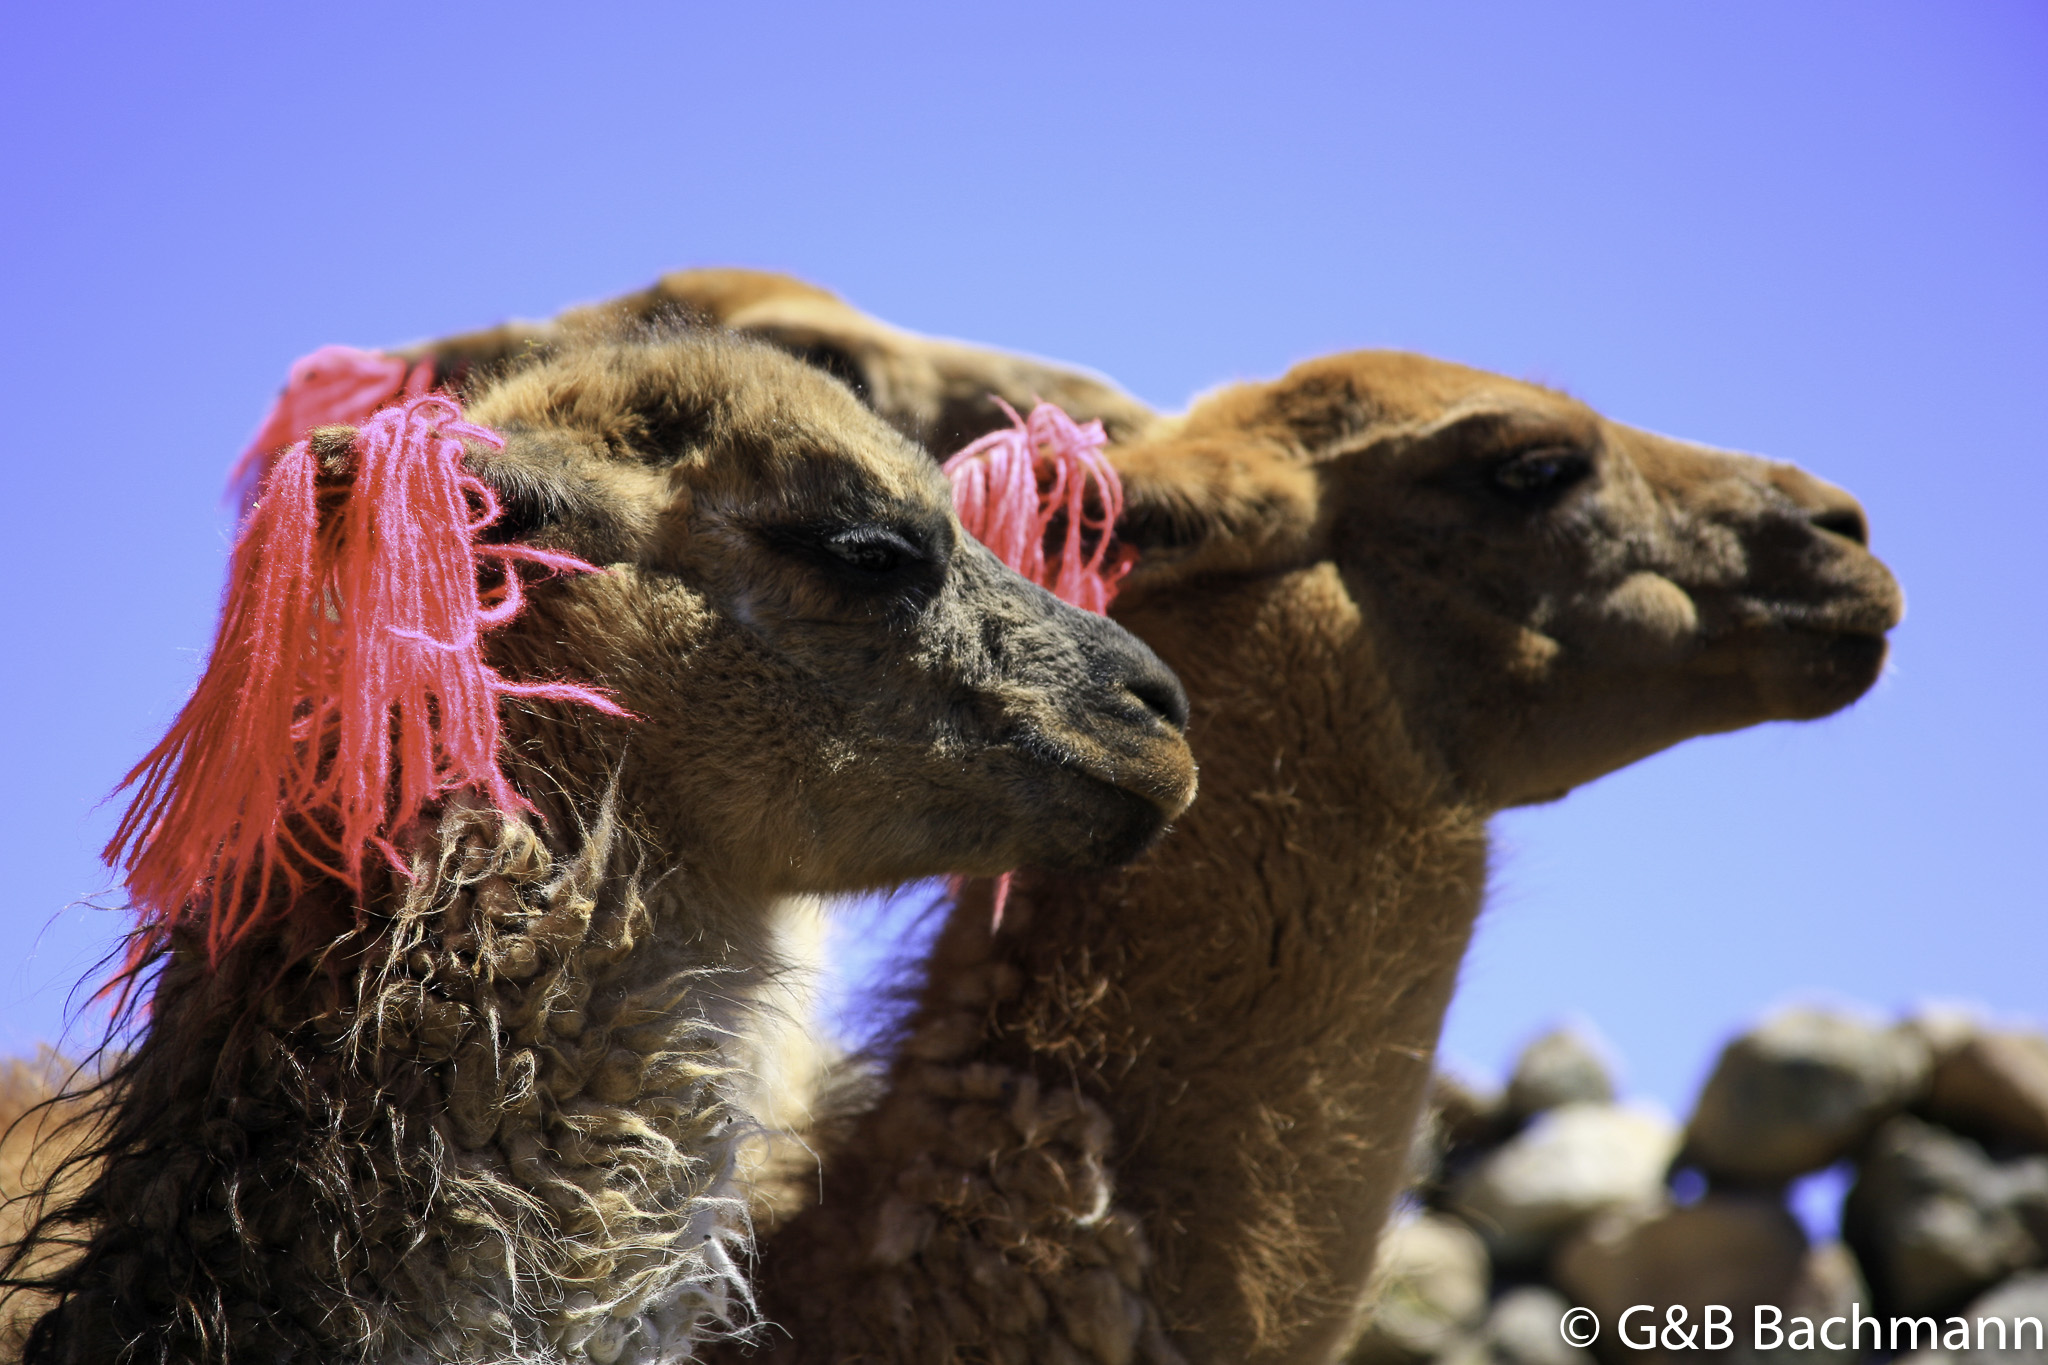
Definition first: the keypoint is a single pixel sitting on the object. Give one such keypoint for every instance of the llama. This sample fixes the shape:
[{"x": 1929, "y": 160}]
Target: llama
[
  {"x": 1163, "y": 1114},
  {"x": 1483, "y": 684},
  {"x": 484, "y": 1105}
]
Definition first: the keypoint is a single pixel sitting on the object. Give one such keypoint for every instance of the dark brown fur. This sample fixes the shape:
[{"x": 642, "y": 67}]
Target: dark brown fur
[{"x": 493, "y": 1113}]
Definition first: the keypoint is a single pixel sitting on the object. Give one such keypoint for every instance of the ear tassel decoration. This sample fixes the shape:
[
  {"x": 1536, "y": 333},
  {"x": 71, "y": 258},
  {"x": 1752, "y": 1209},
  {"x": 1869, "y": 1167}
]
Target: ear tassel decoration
[
  {"x": 347, "y": 689},
  {"x": 1011, "y": 485},
  {"x": 335, "y": 386}
]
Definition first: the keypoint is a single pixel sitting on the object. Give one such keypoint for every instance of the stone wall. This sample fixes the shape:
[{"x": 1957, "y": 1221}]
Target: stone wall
[{"x": 1554, "y": 1194}]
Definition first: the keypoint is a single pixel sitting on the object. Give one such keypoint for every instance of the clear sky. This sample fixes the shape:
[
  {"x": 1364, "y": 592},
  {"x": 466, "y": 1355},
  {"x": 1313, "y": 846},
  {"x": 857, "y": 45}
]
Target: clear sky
[{"x": 1813, "y": 230}]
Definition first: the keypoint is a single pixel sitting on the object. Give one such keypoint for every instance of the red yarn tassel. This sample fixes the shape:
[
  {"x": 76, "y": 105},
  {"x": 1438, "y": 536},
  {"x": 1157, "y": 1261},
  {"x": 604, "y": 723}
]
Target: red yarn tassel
[
  {"x": 1011, "y": 485},
  {"x": 334, "y": 386},
  {"x": 347, "y": 690}
]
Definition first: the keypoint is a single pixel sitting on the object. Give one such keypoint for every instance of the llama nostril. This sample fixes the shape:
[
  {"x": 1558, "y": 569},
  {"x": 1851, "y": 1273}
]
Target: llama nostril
[
  {"x": 1162, "y": 695},
  {"x": 1846, "y": 522},
  {"x": 1125, "y": 668}
]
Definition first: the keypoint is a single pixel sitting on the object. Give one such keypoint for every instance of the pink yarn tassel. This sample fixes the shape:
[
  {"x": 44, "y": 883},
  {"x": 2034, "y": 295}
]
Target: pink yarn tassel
[
  {"x": 347, "y": 689},
  {"x": 1010, "y": 486},
  {"x": 334, "y": 386}
]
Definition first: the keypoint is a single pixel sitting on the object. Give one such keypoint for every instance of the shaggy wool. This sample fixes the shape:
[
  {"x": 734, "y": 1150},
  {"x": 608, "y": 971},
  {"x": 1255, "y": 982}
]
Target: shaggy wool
[{"x": 494, "y": 1126}]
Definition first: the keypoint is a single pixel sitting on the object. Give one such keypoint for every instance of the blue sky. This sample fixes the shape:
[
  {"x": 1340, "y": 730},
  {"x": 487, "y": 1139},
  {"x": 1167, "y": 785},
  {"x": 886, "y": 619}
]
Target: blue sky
[{"x": 1817, "y": 231}]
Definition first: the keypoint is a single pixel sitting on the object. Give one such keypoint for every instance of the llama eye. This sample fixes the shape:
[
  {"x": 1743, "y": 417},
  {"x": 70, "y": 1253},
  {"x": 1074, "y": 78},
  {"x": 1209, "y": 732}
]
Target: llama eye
[
  {"x": 863, "y": 555},
  {"x": 1540, "y": 476},
  {"x": 871, "y": 549}
]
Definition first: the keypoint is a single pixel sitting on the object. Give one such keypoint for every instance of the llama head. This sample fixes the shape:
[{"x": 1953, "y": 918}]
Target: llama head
[
  {"x": 1548, "y": 595},
  {"x": 833, "y": 685},
  {"x": 939, "y": 393}
]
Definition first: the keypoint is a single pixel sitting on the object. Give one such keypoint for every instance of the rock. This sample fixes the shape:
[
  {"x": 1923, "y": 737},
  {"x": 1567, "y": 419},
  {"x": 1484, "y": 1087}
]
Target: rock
[
  {"x": 1736, "y": 1250},
  {"x": 1569, "y": 1164},
  {"x": 1995, "y": 1086},
  {"x": 1461, "y": 1122},
  {"x": 1943, "y": 1027},
  {"x": 1430, "y": 1289},
  {"x": 2018, "y": 1303},
  {"x": 1522, "y": 1329},
  {"x": 1800, "y": 1092},
  {"x": 1934, "y": 1220},
  {"x": 1828, "y": 1286},
  {"x": 1564, "y": 1066},
  {"x": 1466, "y": 1114}
]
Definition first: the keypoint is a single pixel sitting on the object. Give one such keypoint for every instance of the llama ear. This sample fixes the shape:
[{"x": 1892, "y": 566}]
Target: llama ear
[
  {"x": 812, "y": 324},
  {"x": 538, "y": 478},
  {"x": 844, "y": 347},
  {"x": 553, "y": 490},
  {"x": 1216, "y": 504},
  {"x": 835, "y": 355}
]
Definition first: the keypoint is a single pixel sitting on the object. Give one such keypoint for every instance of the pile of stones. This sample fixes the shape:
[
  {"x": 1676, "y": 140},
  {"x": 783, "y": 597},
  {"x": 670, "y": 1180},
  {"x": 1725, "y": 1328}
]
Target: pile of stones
[{"x": 1553, "y": 1195}]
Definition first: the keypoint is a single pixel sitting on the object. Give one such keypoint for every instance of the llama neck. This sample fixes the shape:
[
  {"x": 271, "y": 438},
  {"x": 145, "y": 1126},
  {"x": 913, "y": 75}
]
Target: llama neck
[
  {"x": 1162, "y": 1114},
  {"x": 493, "y": 1125},
  {"x": 1255, "y": 1007},
  {"x": 1256, "y": 1004}
]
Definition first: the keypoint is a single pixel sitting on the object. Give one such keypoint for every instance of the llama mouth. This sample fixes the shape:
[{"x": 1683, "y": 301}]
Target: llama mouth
[
  {"x": 1165, "y": 786},
  {"x": 1153, "y": 765},
  {"x": 1849, "y": 662},
  {"x": 1109, "y": 819},
  {"x": 1809, "y": 670},
  {"x": 1137, "y": 823}
]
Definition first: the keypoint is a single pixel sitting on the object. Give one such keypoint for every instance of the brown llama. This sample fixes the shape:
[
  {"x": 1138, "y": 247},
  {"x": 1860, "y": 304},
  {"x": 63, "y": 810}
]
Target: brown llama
[
  {"x": 489, "y": 1111},
  {"x": 1164, "y": 1112}
]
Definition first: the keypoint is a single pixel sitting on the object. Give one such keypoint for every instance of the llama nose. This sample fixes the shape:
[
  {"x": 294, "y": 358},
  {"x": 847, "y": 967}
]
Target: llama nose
[
  {"x": 1846, "y": 520},
  {"x": 1827, "y": 507},
  {"x": 1160, "y": 693},
  {"x": 1124, "y": 664}
]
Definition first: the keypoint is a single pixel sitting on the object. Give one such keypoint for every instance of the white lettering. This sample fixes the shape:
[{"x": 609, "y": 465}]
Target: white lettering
[
  {"x": 1913, "y": 1332},
  {"x": 1956, "y": 1338},
  {"x": 1777, "y": 1332},
  {"x": 1718, "y": 1325},
  {"x": 1824, "y": 1338},
  {"x": 1649, "y": 1341},
  {"x": 2018, "y": 1335},
  {"x": 2001, "y": 1332},
  {"x": 1802, "y": 1335},
  {"x": 1857, "y": 1322}
]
